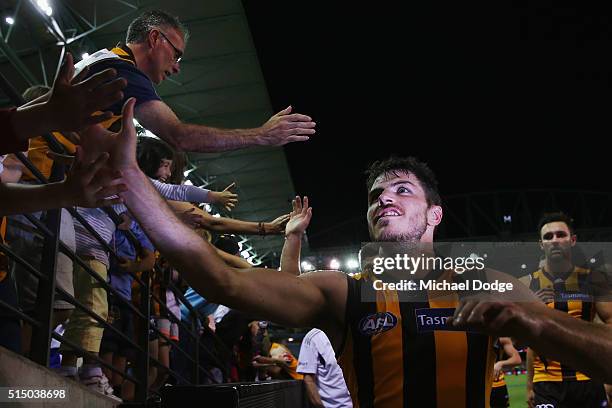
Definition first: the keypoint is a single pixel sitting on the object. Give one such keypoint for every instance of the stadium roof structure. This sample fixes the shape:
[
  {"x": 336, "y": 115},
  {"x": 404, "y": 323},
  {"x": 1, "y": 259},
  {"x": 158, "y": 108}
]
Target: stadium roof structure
[{"x": 221, "y": 84}]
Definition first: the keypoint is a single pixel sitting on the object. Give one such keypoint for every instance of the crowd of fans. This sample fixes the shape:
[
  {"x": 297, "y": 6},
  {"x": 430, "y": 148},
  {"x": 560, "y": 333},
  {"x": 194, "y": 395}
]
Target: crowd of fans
[
  {"x": 115, "y": 292},
  {"x": 119, "y": 262}
]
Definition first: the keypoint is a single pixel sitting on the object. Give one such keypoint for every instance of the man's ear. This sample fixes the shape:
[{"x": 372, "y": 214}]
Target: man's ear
[
  {"x": 152, "y": 37},
  {"x": 434, "y": 215},
  {"x": 573, "y": 239}
]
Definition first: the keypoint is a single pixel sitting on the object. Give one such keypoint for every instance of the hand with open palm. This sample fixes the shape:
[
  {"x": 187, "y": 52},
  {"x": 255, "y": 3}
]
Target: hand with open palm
[{"x": 299, "y": 217}]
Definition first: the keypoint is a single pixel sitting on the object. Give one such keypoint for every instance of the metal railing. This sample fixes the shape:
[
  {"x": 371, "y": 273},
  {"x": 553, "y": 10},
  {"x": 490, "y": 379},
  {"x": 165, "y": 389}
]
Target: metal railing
[{"x": 41, "y": 318}]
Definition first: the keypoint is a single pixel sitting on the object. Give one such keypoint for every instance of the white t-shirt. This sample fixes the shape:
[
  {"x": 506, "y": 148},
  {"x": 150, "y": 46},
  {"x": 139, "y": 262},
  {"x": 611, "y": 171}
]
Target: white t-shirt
[
  {"x": 317, "y": 357},
  {"x": 220, "y": 313}
]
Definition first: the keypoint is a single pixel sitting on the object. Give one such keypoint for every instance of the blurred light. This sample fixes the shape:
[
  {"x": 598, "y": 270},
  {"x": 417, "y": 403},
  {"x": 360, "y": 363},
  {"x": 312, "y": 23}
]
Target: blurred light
[
  {"x": 188, "y": 183},
  {"x": 245, "y": 254},
  {"x": 352, "y": 263},
  {"x": 208, "y": 207},
  {"x": 251, "y": 260},
  {"x": 290, "y": 339},
  {"x": 10, "y": 20},
  {"x": 239, "y": 245},
  {"x": 217, "y": 215},
  {"x": 593, "y": 260},
  {"x": 334, "y": 264},
  {"x": 45, "y": 7},
  {"x": 523, "y": 266},
  {"x": 507, "y": 219},
  {"x": 85, "y": 55},
  {"x": 307, "y": 266}
]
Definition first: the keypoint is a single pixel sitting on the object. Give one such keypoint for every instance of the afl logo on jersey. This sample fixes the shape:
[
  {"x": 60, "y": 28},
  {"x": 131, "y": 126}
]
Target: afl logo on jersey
[{"x": 377, "y": 323}]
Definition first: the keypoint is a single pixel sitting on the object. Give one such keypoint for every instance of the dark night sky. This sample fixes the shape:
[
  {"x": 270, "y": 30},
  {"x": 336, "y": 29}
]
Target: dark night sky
[{"x": 492, "y": 96}]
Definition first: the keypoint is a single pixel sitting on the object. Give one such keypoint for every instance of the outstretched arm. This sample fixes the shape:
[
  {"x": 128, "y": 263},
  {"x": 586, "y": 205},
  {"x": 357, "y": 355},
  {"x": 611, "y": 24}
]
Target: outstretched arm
[
  {"x": 233, "y": 260},
  {"x": 294, "y": 231},
  {"x": 280, "y": 129},
  {"x": 583, "y": 345},
  {"x": 514, "y": 358},
  {"x": 228, "y": 225},
  {"x": 70, "y": 105},
  {"x": 85, "y": 186},
  {"x": 261, "y": 291}
]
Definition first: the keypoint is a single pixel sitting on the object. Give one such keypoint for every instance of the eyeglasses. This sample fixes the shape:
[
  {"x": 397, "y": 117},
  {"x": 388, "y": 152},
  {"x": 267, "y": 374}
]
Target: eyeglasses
[{"x": 178, "y": 54}]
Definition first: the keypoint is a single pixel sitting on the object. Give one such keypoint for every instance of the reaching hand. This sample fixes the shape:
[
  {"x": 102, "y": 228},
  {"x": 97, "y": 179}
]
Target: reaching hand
[
  {"x": 299, "y": 217},
  {"x": 71, "y": 105},
  {"x": 190, "y": 217},
  {"x": 495, "y": 317},
  {"x": 497, "y": 370},
  {"x": 285, "y": 127},
  {"x": 225, "y": 199},
  {"x": 531, "y": 398},
  {"x": 120, "y": 145},
  {"x": 89, "y": 184},
  {"x": 64, "y": 159},
  {"x": 278, "y": 225}
]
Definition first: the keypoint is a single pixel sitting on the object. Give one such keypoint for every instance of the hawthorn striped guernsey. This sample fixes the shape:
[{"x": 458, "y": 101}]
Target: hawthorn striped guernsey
[
  {"x": 579, "y": 305},
  {"x": 404, "y": 354}
]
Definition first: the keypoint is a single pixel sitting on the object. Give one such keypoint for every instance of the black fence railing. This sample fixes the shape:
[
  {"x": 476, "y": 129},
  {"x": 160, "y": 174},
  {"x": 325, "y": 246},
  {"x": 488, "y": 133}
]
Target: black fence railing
[
  {"x": 42, "y": 316},
  {"x": 264, "y": 394}
]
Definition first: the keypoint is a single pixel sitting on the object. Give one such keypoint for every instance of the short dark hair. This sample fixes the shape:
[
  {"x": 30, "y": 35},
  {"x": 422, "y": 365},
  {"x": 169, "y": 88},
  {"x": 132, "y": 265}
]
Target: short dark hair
[
  {"x": 150, "y": 152},
  {"x": 557, "y": 216},
  {"x": 147, "y": 21},
  {"x": 420, "y": 169},
  {"x": 228, "y": 244},
  {"x": 34, "y": 92},
  {"x": 179, "y": 162}
]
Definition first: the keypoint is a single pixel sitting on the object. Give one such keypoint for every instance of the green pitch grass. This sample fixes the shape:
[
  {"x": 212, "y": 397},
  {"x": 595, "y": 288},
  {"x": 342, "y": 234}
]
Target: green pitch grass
[{"x": 517, "y": 390}]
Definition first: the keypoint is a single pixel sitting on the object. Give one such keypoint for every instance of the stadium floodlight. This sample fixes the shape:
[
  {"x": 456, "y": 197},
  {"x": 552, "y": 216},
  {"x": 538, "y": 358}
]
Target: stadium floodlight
[
  {"x": 290, "y": 339},
  {"x": 307, "y": 266},
  {"x": 45, "y": 7},
  {"x": 334, "y": 264},
  {"x": 10, "y": 20},
  {"x": 85, "y": 55},
  {"x": 352, "y": 263}
]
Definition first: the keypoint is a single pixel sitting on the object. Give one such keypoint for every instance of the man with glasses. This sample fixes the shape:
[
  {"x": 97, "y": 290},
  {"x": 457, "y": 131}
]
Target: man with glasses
[{"x": 154, "y": 46}]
